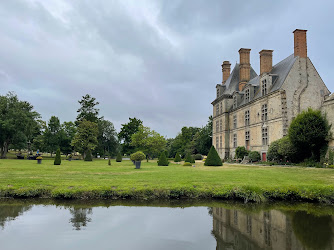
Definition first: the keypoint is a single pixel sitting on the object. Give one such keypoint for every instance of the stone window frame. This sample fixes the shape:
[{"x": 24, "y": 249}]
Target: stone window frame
[
  {"x": 217, "y": 109},
  {"x": 221, "y": 141},
  {"x": 247, "y": 117},
  {"x": 235, "y": 102},
  {"x": 218, "y": 92},
  {"x": 221, "y": 107},
  {"x": 220, "y": 125},
  {"x": 264, "y": 112},
  {"x": 217, "y": 126},
  {"x": 247, "y": 135},
  {"x": 217, "y": 142},
  {"x": 235, "y": 121},
  {"x": 264, "y": 87},
  {"x": 235, "y": 140},
  {"x": 264, "y": 136},
  {"x": 247, "y": 95}
]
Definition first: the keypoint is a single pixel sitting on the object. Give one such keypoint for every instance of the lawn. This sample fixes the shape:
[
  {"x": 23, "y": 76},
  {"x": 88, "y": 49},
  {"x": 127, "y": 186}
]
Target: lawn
[{"x": 79, "y": 179}]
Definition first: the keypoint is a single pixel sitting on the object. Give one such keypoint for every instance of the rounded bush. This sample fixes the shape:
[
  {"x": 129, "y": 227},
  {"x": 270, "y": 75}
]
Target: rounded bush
[
  {"x": 138, "y": 156},
  {"x": 254, "y": 156},
  {"x": 241, "y": 152},
  {"x": 213, "y": 158},
  {"x": 198, "y": 157},
  {"x": 187, "y": 164}
]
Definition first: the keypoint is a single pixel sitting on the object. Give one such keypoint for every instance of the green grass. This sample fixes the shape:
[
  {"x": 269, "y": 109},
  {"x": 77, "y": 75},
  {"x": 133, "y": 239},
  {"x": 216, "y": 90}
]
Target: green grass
[{"x": 97, "y": 180}]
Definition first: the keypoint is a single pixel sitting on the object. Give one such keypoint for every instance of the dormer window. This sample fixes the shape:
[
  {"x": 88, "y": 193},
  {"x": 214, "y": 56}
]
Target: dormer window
[
  {"x": 217, "y": 109},
  {"x": 264, "y": 87},
  {"x": 247, "y": 95},
  {"x": 217, "y": 92},
  {"x": 234, "y": 102}
]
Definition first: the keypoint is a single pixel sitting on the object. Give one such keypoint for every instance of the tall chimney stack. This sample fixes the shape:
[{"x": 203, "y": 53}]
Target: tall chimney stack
[
  {"x": 226, "y": 69},
  {"x": 266, "y": 61},
  {"x": 244, "y": 74},
  {"x": 300, "y": 47}
]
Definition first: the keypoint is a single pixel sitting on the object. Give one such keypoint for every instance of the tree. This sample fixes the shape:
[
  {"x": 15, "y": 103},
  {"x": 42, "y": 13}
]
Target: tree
[
  {"x": 57, "y": 160},
  {"x": 309, "y": 133},
  {"x": 202, "y": 140},
  {"x": 254, "y": 156},
  {"x": 213, "y": 158},
  {"x": 126, "y": 133},
  {"x": 52, "y": 135},
  {"x": 189, "y": 158},
  {"x": 163, "y": 160},
  {"x": 87, "y": 111},
  {"x": 177, "y": 157},
  {"x": 182, "y": 142},
  {"x": 86, "y": 137},
  {"x": 241, "y": 152},
  {"x": 17, "y": 122},
  {"x": 67, "y": 133},
  {"x": 148, "y": 141},
  {"x": 88, "y": 156},
  {"x": 107, "y": 138}
]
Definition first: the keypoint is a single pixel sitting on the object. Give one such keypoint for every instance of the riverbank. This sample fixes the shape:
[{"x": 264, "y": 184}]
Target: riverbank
[{"x": 97, "y": 180}]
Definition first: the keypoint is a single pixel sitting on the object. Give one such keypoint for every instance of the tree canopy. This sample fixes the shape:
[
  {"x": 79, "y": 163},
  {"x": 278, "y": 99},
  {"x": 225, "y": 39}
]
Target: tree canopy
[
  {"x": 127, "y": 130},
  {"x": 88, "y": 110}
]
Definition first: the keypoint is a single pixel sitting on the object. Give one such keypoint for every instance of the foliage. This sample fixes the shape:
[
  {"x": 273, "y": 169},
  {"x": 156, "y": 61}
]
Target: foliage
[
  {"x": 107, "y": 138},
  {"x": 87, "y": 111},
  {"x": 148, "y": 141},
  {"x": 189, "y": 158},
  {"x": 88, "y": 156},
  {"x": 198, "y": 157},
  {"x": 119, "y": 157},
  {"x": 163, "y": 160},
  {"x": 241, "y": 152},
  {"x": 213, "y": 158},
  {"x": 282, "y": 150},
  {"x": 187, "y": 164},
  {"x": 182, "y": 142},
  {"x": 273, "y": 154},
  {"x": 109, "y": 162},
  {"x": 39, "y": 158},
  {"x": 202, "y": 140},
  {"x": 126, "y": 133},
  {"x": 51, "y": 136},
  {"x": 18, "y": 123},
  {"x": 254, "y": 156},
  {"x": 309, "y": 133},
  {"x": 57, "y": 160},
  {"x": 86, "y": 137},
  {"x": 138, "y": 156},
  {"x": 177, "y": 158},
  {"x": 67, "y": 133}
]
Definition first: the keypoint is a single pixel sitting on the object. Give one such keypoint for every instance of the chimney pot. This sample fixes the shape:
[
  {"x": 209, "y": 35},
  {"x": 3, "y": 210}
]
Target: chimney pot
[
  {"x": 226, "y": 69},
  {"x": 300, "y": 45},
  {"x": 244, "y": 73},
  {"x": 266, "y": 61}
]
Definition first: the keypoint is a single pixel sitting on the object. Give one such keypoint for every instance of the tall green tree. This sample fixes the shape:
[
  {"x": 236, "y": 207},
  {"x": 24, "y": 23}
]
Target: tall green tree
[
  {"x": 87, "y": 110},
  {"x": 17, "y": 122},
  {"x": 52, "y": 135},
  {"x": 86, "y": 137},
  {"x": 67, "y": 133},
  {"x": 126, "y": 133},
  {"x": 182, "y": 142},
  {"x": 107, "y": 138},
  {"x": 148, "y": 141}
]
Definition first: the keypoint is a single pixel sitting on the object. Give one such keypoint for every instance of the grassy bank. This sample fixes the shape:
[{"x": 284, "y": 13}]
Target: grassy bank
[{"x": 97, "y": 180}]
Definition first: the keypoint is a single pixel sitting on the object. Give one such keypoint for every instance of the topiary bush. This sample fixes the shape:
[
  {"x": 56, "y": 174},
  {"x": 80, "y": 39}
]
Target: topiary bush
[
  {"x": 57, "y": 160},
  {"x": 177, "y": 158},
  {"x": 254, "y": 156},
  {"x": 187, "y": 164},
  {"x": 188, "y": 158},
  {"x": 119, "y": 157},
  {"x": 88, "y": 156},
  {"x": 241, "y": 152},
  {"x": 163, "y": 160},
  {"x": 213, "y": 158},
  {"x": 138, "y": 156},
  {"x": 109, "y": 162}
]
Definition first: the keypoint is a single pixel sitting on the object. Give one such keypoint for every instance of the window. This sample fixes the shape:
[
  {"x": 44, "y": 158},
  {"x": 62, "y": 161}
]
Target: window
[
  {"x": 264, "y": 87},
  {"x": 247, "y": 96},
  {"x": 221, "y": 107},
  {"x": 235, "y": 143},
  {"x": 217, "y": 92},
  {"x": 217, "y": 142},
  {"x": 221, "y": 141},
  {"x": 217, "y": 126},
  {"x": 217, "y": 109},
  {"x": 247, "y": 118},
  {"x": 247, "y": 135},
  {"x": 247, "y": 139},
  {"x": 264, "y": 136},
  {"x": 221, "y": 125},
  {"x": 235, "y": 121},
  {"x": 264, "y": 111},
  {"x": 235, "y": 102}
]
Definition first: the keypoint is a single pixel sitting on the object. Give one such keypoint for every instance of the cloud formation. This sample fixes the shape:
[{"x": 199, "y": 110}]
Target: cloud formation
[{"x": 155, "y": 60}]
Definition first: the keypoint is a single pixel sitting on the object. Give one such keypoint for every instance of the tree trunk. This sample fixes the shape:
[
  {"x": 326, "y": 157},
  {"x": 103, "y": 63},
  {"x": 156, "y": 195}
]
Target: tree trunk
[{"x": 4, "y": 150}]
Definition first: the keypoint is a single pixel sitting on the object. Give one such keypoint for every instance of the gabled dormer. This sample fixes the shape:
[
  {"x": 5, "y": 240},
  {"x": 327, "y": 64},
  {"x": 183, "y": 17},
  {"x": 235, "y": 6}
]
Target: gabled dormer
[
  {"x": 237, "y": 97},
  {"x": 220, "y": 90}
]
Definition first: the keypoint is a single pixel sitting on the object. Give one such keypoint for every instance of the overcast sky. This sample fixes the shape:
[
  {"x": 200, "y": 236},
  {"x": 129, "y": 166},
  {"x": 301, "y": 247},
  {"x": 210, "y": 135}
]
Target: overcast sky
[{"x": 155, "y": 60}]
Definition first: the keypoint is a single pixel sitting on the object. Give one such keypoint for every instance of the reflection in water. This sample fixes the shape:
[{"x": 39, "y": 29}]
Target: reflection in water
[
  {"x": 10, "y": 212},
  {"x": 235, "y": 229},
  {"x": 80, "y": 217}
]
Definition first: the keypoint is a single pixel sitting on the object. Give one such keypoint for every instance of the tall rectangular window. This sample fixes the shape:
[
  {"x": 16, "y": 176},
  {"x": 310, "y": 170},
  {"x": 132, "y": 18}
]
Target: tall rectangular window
[
  {"x": 264, "y": 112},
  {"x": 247, "y": 95},
  {"x": 264, "y": 136},
  {"x": 221, "y": 107},
  {"x": 247, "y": 139},
  {"x": 247, "y": 118},
  {"x": 221, "y": 125},
  {"x": 235, "y": 121},
  {"x": 235, "y": 142},
  {"x": 221, "y": 141},
  {"x": 217, "y": 142},
  {"x": 217, "y": 109},
  {"x": 217, "y": 126},
  {"x": 264, "y": 87},
  {"x": 235, "y": 102},
  {"x": 217, "y": 92}
]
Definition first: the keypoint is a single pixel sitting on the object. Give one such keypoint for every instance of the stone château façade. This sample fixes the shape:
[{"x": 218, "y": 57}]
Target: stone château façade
[{"x": 254, "y": 110}]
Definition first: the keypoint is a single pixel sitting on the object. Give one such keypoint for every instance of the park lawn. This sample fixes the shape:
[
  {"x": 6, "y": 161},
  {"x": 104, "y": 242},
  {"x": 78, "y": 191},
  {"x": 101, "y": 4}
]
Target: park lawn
[{"x": 79, "y": 179}]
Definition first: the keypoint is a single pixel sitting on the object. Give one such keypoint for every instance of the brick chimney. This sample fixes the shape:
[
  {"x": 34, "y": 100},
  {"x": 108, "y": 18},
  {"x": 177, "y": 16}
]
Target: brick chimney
[
  {"x": 244, "y": 75},
  {"x": 266, "y": 61},
  {"x": 300, "y": 47},
  {"x": 226, "y": 69}
]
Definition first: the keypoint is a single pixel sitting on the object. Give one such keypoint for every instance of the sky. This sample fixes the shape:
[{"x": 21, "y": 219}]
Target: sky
[{"x": 155, "y": 60}]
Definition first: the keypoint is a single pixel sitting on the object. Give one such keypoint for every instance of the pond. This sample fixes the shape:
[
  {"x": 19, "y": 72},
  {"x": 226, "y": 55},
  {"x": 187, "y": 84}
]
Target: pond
[{"x": 36, "y": 224}]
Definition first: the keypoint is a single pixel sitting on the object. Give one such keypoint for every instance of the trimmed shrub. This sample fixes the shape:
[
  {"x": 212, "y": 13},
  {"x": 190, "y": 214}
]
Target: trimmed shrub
[
  {"x": 109, "y": 162},
  {"x": 241, "y": 152},
  {"x": 119, "y": 157},
  {"x": 273, "y": 154},
  {"x": 177, "y": 158},
  {"x": 57, "y": 158},
  {"x": 213, "y": 158},
  {"x": 88, "y": 156},
  {"x": 198, "y": 157},
  {"x": 188, "y": 158},
  {"x": 138, "y": 156},
  {"x": 163, "y": 160},
  {"x": 254, "y": 156},
  {"x": 187, "y": 164}
]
